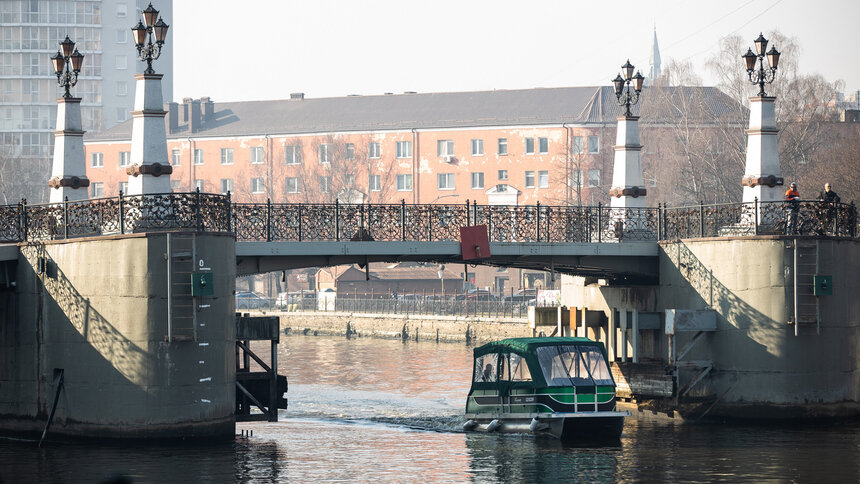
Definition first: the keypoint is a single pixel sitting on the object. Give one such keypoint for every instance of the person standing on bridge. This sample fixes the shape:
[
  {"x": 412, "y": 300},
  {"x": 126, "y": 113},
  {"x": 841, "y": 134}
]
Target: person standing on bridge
[
  {"x": 829, "y": 200},
  {"x": 792, "y": 198}
]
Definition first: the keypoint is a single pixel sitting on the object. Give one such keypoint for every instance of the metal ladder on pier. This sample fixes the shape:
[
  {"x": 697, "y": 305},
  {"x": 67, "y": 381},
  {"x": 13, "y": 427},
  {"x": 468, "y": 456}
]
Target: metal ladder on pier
[
  {"x": 181, "y": 310},
  {"x": 806, "y": 308}
]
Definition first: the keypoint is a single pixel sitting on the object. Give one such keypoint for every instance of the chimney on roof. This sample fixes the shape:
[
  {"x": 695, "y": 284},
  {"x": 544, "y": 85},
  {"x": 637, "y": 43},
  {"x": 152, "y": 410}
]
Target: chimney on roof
[
  {"x": 194, "y": 118},
  {"x": 297, "y": 95},
  {"x": 172, "y": 116},
  {"x": 208, "y": 108},
  {"x": 186, "y": 103}
]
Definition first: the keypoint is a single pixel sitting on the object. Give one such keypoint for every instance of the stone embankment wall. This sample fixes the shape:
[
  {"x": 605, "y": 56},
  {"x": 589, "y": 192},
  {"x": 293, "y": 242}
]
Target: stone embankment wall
[{"x": 401, "y": 326}]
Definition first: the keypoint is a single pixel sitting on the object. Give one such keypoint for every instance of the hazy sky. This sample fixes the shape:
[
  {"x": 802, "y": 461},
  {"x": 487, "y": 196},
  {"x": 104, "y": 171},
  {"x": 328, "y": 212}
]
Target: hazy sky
[{"x": 266, "y": 49}]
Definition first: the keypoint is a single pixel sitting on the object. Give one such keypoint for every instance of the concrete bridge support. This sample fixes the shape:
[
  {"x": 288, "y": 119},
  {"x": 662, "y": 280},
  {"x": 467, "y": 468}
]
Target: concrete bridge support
[
  {"x": 760, "y": 363},
  {"x": 96, "y": 309}
]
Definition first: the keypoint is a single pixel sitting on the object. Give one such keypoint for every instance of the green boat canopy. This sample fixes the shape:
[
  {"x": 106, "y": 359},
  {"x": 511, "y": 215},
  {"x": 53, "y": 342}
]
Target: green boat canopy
[
  {"x": 550, "y": 361},
  {"x": 528, "y": 345}
]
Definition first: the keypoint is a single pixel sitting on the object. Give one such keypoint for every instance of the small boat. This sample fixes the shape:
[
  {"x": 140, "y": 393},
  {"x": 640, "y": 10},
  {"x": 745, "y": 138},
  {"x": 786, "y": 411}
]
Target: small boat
[{"x": 560, "y": 387}]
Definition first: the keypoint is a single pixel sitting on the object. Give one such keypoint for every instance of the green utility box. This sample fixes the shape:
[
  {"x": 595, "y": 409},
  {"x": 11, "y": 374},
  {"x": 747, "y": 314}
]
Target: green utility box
[
  {"x": 201, "y": 284},
  {"x": 822, "y": 285}
]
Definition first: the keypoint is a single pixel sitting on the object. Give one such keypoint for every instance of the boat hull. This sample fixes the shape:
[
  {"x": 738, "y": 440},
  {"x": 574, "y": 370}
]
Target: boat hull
[{"x": 569, "y": 427}]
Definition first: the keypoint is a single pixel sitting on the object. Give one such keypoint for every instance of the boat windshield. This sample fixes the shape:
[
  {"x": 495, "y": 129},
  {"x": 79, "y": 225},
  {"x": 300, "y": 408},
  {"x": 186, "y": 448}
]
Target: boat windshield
[{"x": 573, "y": 365}]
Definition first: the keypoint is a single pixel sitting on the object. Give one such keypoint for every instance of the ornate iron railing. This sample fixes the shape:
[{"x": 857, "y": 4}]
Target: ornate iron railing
[
  {"x": 401, "y": 222},
  {"x": 806, "y": 217}
]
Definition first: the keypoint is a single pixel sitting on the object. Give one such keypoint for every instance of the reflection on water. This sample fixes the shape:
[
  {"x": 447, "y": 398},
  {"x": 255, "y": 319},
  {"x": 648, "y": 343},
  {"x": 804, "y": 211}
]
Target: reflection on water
[{"x": 376, "y": 410}]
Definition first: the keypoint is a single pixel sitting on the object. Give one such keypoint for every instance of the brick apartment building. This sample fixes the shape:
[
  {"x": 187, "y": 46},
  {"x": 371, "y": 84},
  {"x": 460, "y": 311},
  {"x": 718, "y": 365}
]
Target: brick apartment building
[{"x": 495, "y": 147}]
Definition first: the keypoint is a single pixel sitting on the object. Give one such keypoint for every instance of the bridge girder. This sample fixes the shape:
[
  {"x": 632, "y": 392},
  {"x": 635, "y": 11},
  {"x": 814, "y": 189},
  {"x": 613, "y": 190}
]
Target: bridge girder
[{"x": 629, "y": 263}]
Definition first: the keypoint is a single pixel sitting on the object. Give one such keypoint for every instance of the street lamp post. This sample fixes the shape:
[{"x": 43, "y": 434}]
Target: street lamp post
[
  {"x": 152, "y": 26},
  {"x": 67, "y": 65},
  {"x": 622, "y": 87},
  {"x": 763, "y": 75}
]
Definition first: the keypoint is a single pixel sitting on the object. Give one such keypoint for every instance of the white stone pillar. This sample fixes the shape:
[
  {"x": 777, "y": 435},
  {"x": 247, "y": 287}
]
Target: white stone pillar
[
  {"x": 762, "y": 175},
  {"x": 623, "y": 313},
  {"x": 69, "y": 170},
  {"x": 150, "y": 168},
  {"x": 628, "y": 190}
]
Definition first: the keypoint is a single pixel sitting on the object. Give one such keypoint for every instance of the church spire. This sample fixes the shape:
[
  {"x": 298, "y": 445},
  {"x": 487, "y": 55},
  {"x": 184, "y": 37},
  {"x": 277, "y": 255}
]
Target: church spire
[{"x": 654, "y": 61}]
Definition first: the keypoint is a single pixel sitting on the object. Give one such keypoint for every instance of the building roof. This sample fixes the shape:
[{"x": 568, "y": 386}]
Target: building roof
[{"x": 523, "y": 107}]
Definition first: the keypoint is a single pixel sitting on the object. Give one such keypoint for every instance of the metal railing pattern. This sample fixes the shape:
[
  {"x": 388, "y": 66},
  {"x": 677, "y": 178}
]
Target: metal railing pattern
[{"x": 269, "y": 221}]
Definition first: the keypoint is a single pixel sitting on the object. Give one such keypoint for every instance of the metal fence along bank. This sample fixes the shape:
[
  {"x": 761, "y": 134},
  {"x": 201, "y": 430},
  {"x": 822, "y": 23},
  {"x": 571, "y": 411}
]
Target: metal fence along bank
[{"x": 268, "y": 221}]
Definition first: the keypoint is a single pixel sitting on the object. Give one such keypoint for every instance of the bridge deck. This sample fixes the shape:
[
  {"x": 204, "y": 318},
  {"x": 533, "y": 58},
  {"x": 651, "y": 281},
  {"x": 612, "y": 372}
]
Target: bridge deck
[
  {"x": 634, "y": 262},
  {"x": 8, "y": 252}
]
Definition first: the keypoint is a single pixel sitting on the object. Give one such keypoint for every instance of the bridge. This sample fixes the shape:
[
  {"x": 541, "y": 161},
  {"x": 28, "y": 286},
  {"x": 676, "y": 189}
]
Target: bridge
[{"x": 617, "y": 244}]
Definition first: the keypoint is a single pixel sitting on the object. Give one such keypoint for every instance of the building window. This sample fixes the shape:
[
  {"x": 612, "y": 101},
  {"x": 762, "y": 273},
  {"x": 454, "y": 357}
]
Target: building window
[
  {"x": 445, "y": 147},
  {"x": 477, "y": 147},
  {"x": 226, "y": 156},
  {"x": 374, "y": 183},
  {"x": 121, "y": 10},
  {"x": 257, "y": 185},
  {"x": 350, "y": 179},
  {"x": 198, "y": 157},
  {"x": 175, "y": 184},
  {"x": 98, "y": 189},
  {"x": 97, "y": 160},
  {"x": 226, "y": 185},
  {"x": 577, "y": 145},
  {"x": 175, "y": 157},
  {"x": 503, "y": 174},
  {"x": 256, "y": 155},
  {"x": 445, "y": 181},
  {"x": 350, "y": 151},
  {"x": 124, "y": 158},
  {"x": 576, "y": 178},
  {"x": 530, "y": 179},
  {"x": 123, "y": 187},
  {"x": 593, "y": 145},
  {"x": 543, "y": 179},
  {"x": 530, "y": 146},
  {"x": 325, "y": 184},
  {"x": 122, "y": 88},
  {"x": 404, "y": 149},
  {"x": 292, "y": 184},
  {"x": 198, "y": 185},
  {"x": 121, "y": 62},
  {"x": 121, "y": 36},
  {"x": 404, "y": 183},
  {"x": 293, "y": 155},
  {"x": 543, "y": 145},
  {"x": 478, "y": 180},
  {"x": 373, "y": 150},
  {"x": 121, "y": 114},
  {"x": 503, "y": 146},
  {"x": 593, "y": 178},
  {"x": 323, "y": 154}
]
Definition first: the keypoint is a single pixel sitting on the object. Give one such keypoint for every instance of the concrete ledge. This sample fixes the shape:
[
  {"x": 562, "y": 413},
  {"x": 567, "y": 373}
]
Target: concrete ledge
[{"x": 407, "y": 327}]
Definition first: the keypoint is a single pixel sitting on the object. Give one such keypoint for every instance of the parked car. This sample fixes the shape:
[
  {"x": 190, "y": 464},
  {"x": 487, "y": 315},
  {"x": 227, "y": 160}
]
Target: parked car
[
  {"x": 301, "y": 298},
  {"x": 251, "y": 300}
]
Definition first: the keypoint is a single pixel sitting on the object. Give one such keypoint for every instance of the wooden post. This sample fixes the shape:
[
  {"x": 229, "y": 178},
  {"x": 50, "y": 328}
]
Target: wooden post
[
  {"x": 635, "y": 336},
  {"x": 612, "y": 336},
  {"x": 623, "y": 321}
]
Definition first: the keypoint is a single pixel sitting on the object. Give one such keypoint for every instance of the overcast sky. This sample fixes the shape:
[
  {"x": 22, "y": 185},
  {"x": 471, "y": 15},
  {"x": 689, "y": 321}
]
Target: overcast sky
[{"x": 266, "y": 49}]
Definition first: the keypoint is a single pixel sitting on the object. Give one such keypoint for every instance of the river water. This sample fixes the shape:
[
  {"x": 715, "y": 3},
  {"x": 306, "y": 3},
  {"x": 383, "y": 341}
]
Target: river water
[{"x": 370, "y": 410}]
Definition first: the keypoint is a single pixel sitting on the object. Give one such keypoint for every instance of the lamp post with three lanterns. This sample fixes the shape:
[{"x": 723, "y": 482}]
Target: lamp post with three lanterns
[
  {"x": 622, "y": 87},
  {"x": 67, "y": 65},
  {"x": 762, "y": 75},
  {"x": 151, "y": 26}
]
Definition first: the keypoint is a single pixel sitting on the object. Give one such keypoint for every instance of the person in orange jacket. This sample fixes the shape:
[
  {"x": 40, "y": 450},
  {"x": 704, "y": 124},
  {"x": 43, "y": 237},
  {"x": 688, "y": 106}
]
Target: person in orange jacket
[{"x": 792, "y": 198}]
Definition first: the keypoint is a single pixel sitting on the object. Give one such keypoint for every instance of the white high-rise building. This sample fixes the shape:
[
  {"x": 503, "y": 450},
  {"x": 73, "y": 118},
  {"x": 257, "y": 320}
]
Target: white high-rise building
[{"x": 31, "y": 31}]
